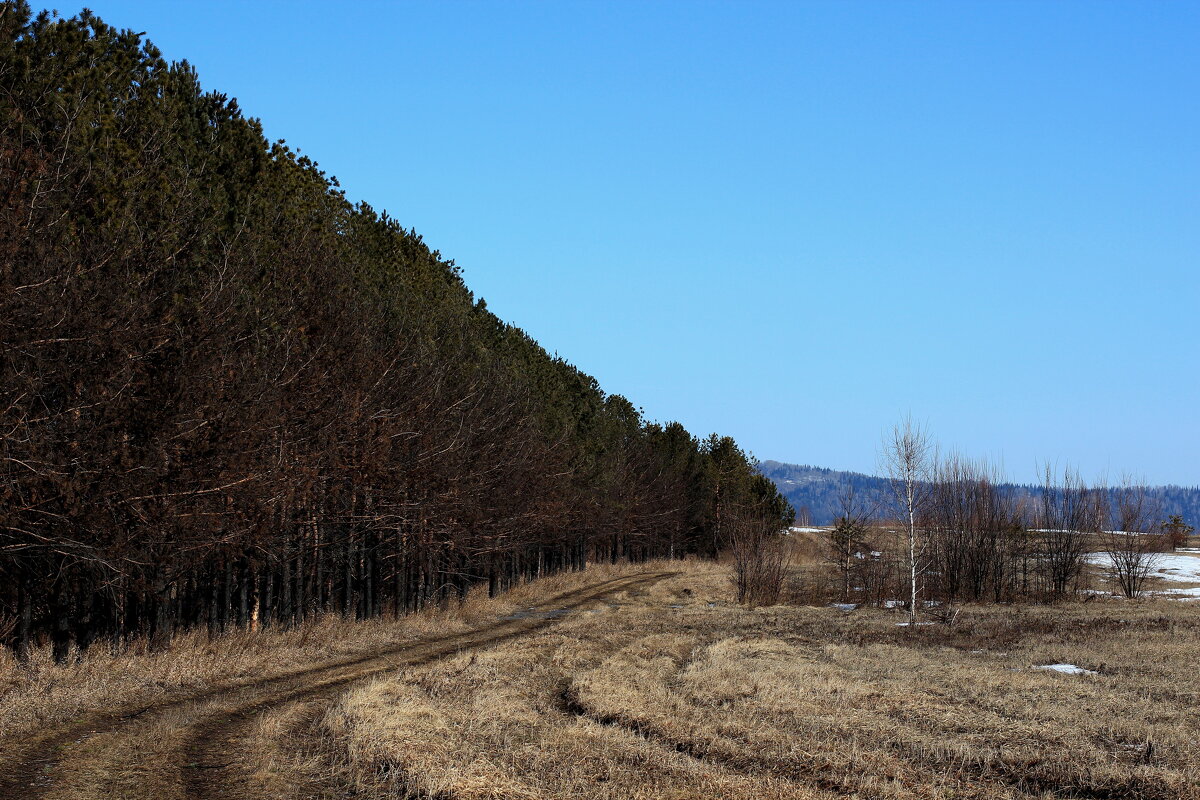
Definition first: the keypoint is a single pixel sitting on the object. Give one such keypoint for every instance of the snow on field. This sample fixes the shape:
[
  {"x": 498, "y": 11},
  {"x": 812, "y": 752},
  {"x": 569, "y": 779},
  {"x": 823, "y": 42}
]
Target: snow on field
[
  {"x": 1183, "y": 567},
  {"x": 807, "y": 530},
  {"x": 1067, "y": 669}
]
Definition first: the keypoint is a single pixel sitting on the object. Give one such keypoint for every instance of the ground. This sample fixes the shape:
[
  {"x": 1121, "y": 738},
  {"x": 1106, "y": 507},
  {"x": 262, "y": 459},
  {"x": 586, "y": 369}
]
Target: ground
[
  {"x": 643, "y": 682},
  {"x": 672, "y": 691}
]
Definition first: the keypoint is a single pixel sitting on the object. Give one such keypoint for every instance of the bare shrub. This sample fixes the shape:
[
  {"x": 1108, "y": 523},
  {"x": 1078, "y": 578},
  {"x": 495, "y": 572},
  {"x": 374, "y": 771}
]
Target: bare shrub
[
  {"x": 1133, "y": 546},
  {"x": 972, "y": 526},
  {"x": 1070, "y": 510},
  {"x": 759, "y": 551}
]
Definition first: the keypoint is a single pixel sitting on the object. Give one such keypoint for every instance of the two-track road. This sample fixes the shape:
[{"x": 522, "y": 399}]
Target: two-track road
[{"x": 195, "y": 746}]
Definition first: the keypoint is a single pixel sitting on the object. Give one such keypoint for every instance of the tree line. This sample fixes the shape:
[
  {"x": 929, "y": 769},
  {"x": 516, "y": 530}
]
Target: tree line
[
  {"x": 819, "y": 491},
  {"x": 230, "y": 397},
  {"x": 952, "y": 530}
]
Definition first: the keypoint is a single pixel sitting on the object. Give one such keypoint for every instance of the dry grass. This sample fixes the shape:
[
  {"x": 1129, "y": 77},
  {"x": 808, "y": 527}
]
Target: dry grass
[
  {"x": 676, "y": 692},
  {"x": 42, "y": 695}
]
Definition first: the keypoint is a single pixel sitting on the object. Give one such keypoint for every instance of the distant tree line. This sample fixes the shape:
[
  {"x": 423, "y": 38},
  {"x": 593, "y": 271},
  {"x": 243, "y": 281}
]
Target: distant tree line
[
  {"x": 819, "y": 491},
  {"x": 230, "y": 397},
  {"x": 952, "y": 530}
]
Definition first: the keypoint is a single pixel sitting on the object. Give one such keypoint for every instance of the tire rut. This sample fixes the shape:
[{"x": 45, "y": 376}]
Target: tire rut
[{"x": 222, "y": 715}]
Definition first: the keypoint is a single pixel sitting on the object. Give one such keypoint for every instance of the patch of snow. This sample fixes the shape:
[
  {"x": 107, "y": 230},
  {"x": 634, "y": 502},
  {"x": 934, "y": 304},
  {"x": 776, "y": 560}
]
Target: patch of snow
[
  {"x": 1177, "y": 566},
  {"x": 893, "y": 604},
  {"x": 1192, "y": 593},
  {"x": 1064, "y": 530},
  {"x": 844, "y": 606},
  {"x": 906, "y": 624},
  {"x": 875, "y": 554},
  {"x": 1067, "y": 669},
  {"x": 795, "y": 529}
]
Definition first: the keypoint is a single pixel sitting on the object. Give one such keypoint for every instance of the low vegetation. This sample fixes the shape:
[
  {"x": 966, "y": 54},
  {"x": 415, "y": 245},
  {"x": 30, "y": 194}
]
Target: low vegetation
[
  {"x": 40, "y": 694},
  {"x": 677, "y": 691}
]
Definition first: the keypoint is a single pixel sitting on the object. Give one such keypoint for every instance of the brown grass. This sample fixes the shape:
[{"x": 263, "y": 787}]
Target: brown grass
[
  {"x": 41, "y": 694},
  {"x": 677, "y": 692}
]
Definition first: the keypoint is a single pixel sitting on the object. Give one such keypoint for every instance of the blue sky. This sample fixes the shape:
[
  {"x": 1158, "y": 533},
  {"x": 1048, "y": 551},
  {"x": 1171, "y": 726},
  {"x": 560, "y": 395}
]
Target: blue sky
[{"x": 790, "y": 222}]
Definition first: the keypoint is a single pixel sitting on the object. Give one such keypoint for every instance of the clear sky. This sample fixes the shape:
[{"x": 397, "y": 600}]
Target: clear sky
[{"x": 789, "y": 222}]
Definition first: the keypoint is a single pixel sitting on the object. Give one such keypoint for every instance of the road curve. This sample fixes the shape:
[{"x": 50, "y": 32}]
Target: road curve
[{"x": 188, "y": 747}]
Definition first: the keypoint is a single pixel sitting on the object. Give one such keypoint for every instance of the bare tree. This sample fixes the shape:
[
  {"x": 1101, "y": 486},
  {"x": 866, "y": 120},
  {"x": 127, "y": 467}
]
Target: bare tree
[
  {"x": 970, "y": 524},
  {"x": 1069, "y": 511},
  {"x": 907, "y": 457},
  {"x": 759, "y": 554},
  {"x": 1133, "y": 548}
]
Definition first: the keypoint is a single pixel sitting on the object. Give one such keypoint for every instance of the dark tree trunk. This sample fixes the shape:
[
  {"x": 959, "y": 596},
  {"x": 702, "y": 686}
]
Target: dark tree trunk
[
  {"x": 60, "y": 635},
  {"x": 24, "y": 641}
]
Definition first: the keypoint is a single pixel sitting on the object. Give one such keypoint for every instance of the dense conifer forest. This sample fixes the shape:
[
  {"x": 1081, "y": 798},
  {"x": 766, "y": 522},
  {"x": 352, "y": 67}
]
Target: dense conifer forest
[{"x": 230, "y": 397}]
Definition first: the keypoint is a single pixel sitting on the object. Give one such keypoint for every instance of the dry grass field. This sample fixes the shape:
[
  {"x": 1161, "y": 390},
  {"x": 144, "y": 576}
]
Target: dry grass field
[
  {"x": 139, "y": 724},
  {"x": 43, "y": 694},
  {"x": 673, "y": 692},
  {"x": 630, "y": 682}
]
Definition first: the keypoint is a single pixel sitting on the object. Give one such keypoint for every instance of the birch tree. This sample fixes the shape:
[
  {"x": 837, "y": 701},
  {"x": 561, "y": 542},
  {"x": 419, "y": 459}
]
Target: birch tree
[{"x": 907, "y": 458}]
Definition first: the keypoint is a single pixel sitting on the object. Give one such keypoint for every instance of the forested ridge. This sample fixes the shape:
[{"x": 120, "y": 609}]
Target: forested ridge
[
  {"x": 821, "y": 491},
  {"x": 230, "y": 397}
]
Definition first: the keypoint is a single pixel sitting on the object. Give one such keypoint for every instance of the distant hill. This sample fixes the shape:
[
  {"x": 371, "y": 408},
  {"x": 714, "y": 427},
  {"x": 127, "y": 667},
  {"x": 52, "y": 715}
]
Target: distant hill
[{"x": 820, "y": 490}]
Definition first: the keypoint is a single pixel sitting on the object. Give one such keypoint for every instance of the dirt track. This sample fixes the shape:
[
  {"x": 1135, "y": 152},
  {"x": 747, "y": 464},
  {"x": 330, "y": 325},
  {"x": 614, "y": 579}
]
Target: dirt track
[{"x": 192, "y": 746}]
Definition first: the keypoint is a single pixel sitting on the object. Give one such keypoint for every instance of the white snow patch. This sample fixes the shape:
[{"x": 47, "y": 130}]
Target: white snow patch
[
  {"x": 1067, "y": 669},
  {"x": 1066, "y": 530},
  {"x": 906, "y": 624},
  {"x": 1192, "y": 594},
  {"x": 1102, "y": 593},
  {"x": 1177, "y": 566},
  {"x": 844, "y": 606},
  {"x": 795, "y": 529}
]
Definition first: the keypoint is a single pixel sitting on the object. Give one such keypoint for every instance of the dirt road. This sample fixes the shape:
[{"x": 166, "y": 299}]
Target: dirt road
[{"x": 198, "y": 746}]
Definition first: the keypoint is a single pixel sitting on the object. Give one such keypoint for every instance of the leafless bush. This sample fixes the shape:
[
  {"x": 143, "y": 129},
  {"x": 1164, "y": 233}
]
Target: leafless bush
[
  {"x": 1132, "y": 545},
  {"x": 972, "y": 527},
  {"x": 759, "y": 552},
  {"x": 1070, "y": 510}
]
